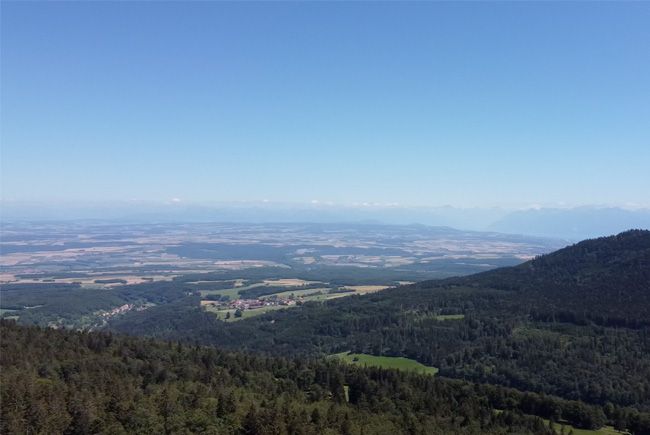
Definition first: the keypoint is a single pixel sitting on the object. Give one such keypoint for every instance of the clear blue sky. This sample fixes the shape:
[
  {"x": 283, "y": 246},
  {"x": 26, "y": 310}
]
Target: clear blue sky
[{"x": 415, "y": 103}]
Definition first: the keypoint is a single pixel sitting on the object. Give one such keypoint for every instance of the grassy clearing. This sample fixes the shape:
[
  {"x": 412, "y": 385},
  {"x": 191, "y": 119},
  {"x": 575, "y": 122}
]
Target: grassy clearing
[
  {"x": 361, "y": 289},
  {"x": 221, "y": 314},
  {"x": 566, "y": 428},
  {"x": 387, "y": 362},
  {"x": 239, "y": 282},
  {"x": 303, "y": 292},
  {"x": 289, "y": 282},
  {"x": 232, "y": 293},
  {"x": 605, "y": 430},
  {"x": 450, "y": 317}
]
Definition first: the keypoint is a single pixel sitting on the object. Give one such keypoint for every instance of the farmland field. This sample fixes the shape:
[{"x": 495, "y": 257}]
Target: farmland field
[
  {"x": 387, "y": 362},
  {"x": 301, "y": 293},
  {"x": 286, "y": 289},
  {"x": 101, "y": 267},
  {"x": 288, "y": 282},
  {"x": 232, "y": 293},
  {"x": 221, "y": 314},
  {"x": 361, "y": 289}
]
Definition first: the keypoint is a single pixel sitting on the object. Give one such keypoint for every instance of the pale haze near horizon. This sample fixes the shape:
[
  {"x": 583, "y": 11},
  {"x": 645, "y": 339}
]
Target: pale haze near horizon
[{"x": 472, "y": 105}]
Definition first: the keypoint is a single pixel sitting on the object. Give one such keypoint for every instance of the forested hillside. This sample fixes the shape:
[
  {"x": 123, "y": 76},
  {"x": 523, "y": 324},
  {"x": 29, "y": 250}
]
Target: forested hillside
[
  {"x": 68, "y": 382},
  {"x": 572, "y": 324},
  {"x": 605, "y": 280}
]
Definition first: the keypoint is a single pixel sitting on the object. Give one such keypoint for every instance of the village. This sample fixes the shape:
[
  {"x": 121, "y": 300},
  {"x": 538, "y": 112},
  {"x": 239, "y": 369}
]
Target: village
[
  {"x": 230, "y": 305},
  {"x": 252, "y": 304},
  {"x": 249, "y": 304}
]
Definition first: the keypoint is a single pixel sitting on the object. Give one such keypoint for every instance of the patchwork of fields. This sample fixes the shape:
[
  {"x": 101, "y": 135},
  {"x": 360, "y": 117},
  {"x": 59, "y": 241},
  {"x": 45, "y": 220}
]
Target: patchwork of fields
[
  {"x": 82, "y": 275},
  {"x": 232, "y": 304},
  {"x": 105, "y": 255}
]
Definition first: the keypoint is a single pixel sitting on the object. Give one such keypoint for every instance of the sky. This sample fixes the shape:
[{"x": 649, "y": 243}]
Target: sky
[{"x": 467, "y": 104}]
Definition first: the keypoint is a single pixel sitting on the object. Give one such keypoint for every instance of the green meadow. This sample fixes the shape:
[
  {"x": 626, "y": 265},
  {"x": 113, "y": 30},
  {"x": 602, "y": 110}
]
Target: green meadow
[
  {"x": 387, "y": 362},
  {"x": 565, "y": 428},
  {"x": 221, "y": 314},
  {"x": 450, "y": 317},
  {"x": 605, "y": 430},
  {"x": 232, "y": 293}
]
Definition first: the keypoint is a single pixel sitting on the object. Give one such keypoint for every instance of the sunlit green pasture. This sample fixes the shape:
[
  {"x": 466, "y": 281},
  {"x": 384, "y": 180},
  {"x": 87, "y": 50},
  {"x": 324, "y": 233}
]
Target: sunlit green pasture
[{"x": 387, "y": 362}]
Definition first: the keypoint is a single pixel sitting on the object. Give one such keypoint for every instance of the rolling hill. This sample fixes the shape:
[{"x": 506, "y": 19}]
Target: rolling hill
[
  {"x": 604, "y": 280},
  {"x": 573, "y": 324}
]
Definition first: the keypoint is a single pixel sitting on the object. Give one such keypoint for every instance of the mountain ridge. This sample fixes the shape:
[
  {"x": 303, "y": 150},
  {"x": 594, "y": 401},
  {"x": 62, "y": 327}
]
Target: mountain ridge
[
  {"x": 509, "y": 330},
  {"x": 611, "y": 274}
]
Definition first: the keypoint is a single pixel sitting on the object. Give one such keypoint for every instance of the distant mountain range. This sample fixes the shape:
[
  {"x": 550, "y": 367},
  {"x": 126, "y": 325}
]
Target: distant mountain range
[
  {"x": 575, "y": 223},
  {"x": 565, "y": 223}
]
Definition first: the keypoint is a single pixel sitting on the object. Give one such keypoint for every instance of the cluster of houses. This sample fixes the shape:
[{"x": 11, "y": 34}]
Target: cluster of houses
[
  {"x": 119, "y": 310},
  {"x": 249, "y": 304}
]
